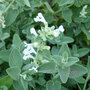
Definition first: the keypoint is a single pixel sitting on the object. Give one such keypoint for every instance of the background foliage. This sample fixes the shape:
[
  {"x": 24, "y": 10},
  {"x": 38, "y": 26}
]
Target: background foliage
[{"x": 18, "y": 16}]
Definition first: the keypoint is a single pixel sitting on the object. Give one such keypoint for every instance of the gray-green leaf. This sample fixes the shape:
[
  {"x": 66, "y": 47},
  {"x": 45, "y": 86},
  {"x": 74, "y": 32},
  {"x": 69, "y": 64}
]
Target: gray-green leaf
[
  {"x": 14, "y": 72},
  {"x": 47, "y": 67},
  {"x": 27, "y": 3},
  {"x": 15, "y": 59},
  {"x": 77, "y": 70},
  {"x": 53, "y": 85},
  {"x": 64, "y": 74}
]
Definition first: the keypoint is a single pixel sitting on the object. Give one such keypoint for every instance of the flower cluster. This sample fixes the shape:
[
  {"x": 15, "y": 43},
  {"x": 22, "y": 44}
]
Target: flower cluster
[
  {"x": 46, "y": 32},
  {"x": 28, "y": 51},
  {"x": 40, "y": 18},
  {"x": 83, "y": 12},
  {"x": 33, "y": 68},
  {"x": 23, "y": 76}
]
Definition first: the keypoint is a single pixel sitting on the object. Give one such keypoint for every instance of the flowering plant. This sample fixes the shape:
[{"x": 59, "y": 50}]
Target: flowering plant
[{"x": 44, "y": 44}]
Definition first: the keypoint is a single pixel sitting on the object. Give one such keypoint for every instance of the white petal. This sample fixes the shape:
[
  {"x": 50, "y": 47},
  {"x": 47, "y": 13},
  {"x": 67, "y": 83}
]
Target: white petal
[
  {"x": 3, "y": 25},
  {"x": 61, "y": 28},
  {"x": 32, "y": 30},
  {"x": 56, "y": 34},
  {"x": 85, "y": 6}
]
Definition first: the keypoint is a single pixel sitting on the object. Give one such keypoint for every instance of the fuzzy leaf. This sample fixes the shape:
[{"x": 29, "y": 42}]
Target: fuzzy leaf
[
  {"x": 15, "y": 59},
  {"x": 47, "y": 67},
  {"x": 14, "y": 72},
  {"x": 64, "y": 74},
  {"x": 77, "y": 71}
]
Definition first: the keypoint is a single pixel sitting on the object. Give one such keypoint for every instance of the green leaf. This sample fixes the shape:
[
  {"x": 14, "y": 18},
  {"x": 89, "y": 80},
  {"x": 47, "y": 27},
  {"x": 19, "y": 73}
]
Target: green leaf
[
  {"x": 66, "y": 40},
  {"x": 49, "y": 7},
  {"x": 2, "y": 44},
  {"x": 83, "y": 51},
  {"x": 63, "y": 88},
  {"x": 67, "y": 15},
  {"x": 78, "y": 3},
  {"x": 74, "y": 51},
  {"x": 3, "y": 88},
  {"x": 54, "y": 50},
  {"x": 1, "y": 61},
  {"x": 57, "y": 59},
  {"x": 77, "y": 71},
  {"x": 80, "y": 80},
  {"x": 27, "y": 3},
  {"x": 65, "y": 56},
  {"x": 11, "y": 16},
  {"x": 71, "y": 61},
  {"x": 87, "y": 33},
  {"x": 4, "y": 55},
  {"x": 64, "y": 74},
  {"x": 20, "y": 2},
  {"x": 35, "y": 3},
  {"x": 53, "y": 85},
  {"x": 20, "y": 84},
  {"x": 17, "y": 41},
  {"x": 64, "y": 2},
  {"x": 64, "y": 48},
  {"x": 6, "y": 80},
  {"x": 47, "y": 67},
  {"x": 45, "y": 54},
  {"x": 14, "y": 72},
  {"x": 5, "y": 36},
  {"x": 15, "y": 59},
  {"x": 24, "y": 83}
]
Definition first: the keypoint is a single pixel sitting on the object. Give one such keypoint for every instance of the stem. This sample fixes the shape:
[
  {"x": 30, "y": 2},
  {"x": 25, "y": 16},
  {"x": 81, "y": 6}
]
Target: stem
[
  {"x": 86, "y": 83},
  {"x": 36, "y": 58},
  {"x": 9, "y": 6},
  {"x": 79, "y": 87}
]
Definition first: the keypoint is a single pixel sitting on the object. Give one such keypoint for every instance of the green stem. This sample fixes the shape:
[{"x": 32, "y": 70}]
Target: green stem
[
  {"x": 9, "y": 6},
  {"x": 35, "y": 60},
  {"x": 86, "y": 83},
  {"x": 79, "y": 87}
]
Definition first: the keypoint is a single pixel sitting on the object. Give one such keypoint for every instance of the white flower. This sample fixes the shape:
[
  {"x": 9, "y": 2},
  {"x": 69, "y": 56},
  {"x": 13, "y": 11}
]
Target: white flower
[
  {"x": 35, "y": 44},
  {"x": 3, "y": 25},
  {"x": 83, "y": 12},
  {"x": 44, "y": 61},
  {"x": 33, "y": 31},
  {"x": 56, "y": 32},
  {"x": 61, "y": 28},
  {"x": 85, "y": 6},
  {"x": 28, "y": 51},
  {"x": 34, "y": 68},
  {"x": 40, "y": 18},
  {"x": 47, "y": 47},
  {"x": 24, "y": 76}
]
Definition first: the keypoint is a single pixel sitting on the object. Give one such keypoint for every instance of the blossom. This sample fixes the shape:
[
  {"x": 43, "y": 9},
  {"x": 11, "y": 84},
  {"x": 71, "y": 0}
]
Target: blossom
[
  {"x": 57, "y": 31},
  {"x": 34, "y": 68},
  {"x": 47, "y": 47},
  {"x": 44, "y": 61},
  {"x": 23, "y": 75},
  {"x": 83, "y": 12},
  {"x": 3, "y": 25},
  {"x": 56, "y": 34},
  {"x": 33, "y": 31},
  {"x": 61, "y": 28},
  {"x": 28, "y": 51},
  {"x": 40, "y": 18},
  {"x": 35, "y": 44}
]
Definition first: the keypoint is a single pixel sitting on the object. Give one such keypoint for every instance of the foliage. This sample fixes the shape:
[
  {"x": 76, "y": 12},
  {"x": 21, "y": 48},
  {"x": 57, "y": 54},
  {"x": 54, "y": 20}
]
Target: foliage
[{"x": 44, "y": 44}]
